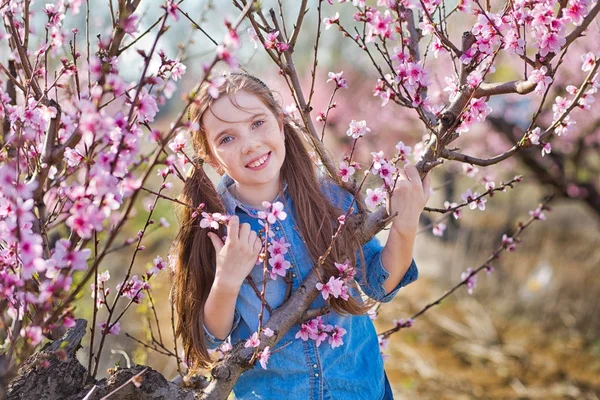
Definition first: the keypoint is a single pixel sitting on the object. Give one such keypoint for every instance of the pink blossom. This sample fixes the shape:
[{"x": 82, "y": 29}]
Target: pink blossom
[
  {"x": 508, "y": 243},
  {"x": 331, "y": 21},
  {"x": 439, "y": 229},
  {"x": 33, "y": 334},
  {"x": 279, "y": 266},
  {"x": 576, "y": 10},
  {"x": 489, "y": 183},
  {"x": 534, "y": 136},
  {"x": 133, "y": 289},
  {"x": 547, "y": 149},
  {"x": 158, "y": 264},
  {"x": 378, "y": 160},
  {"x": 437, "y": 47},
  {"x": 224, "y": 54},
  {"x": 232, "y": 40},
  {"x": 560, "y": 106},
  {"x": 551, "y": 42},
  {"x": 538, "y": 214},
  {"x": 452, "y": 87},
  {"x": 271, "y": 40},
  {"x": 564, "y": 126},
  {"x": 470, "y": 170},
  {"x": 114, "y": 329},
  {"x": 335, "y": 338},
  {"x": 589, "y": 60},
  {"x": 146, "y": 106},
  {"x": 178, "y": 143},
  {"x": 130, "y": 24},
  {"x": 345, "y": 171},
  {"x": 66, "y": 257},
  {"x": 268, "y": 332},
  {"x": 274, "y": 212},
  {"x": 339, "y": 80},
  {"x": 333, "y": 287},
  {"x": 264, "y": 357},
  {"x": 254, "y": 341},
  {"x": 346, "y": 270},
  {"x": 381, "y": 25},
  {"x": 374, "y": 198},
  {"x": 282, "y": 46},
  {"x": 172, "y": 9},
  {"x": 211, "y": 220},
  {"x": 386, "y": 171},
  {"x": 474, "y": 203},
  {"x": 278, "y": 246},
  {"x": 357, "y": 129},
  {"x": 403, "y": 151},
  {"x": 215, "y": 84},
  {"x": 306, "y": 330},
  {"x": 471, "y": 281}
]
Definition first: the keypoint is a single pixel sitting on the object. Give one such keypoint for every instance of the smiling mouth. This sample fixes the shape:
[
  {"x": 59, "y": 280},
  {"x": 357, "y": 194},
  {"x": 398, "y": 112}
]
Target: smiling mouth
[{"x": 260, "y": 162}]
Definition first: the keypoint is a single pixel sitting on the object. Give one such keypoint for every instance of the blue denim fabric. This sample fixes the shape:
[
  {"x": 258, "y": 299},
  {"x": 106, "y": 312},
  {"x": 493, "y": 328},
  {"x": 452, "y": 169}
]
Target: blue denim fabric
[{"x": 301, "y": 370}]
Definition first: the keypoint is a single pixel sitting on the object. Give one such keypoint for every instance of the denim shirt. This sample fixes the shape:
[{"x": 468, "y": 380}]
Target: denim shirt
[{"x": 301, "y": 370}]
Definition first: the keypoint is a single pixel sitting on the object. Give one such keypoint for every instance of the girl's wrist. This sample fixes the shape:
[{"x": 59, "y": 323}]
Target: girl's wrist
[
  {"x": 405, "y": 227},
  {"x": 226, "y": 286}
]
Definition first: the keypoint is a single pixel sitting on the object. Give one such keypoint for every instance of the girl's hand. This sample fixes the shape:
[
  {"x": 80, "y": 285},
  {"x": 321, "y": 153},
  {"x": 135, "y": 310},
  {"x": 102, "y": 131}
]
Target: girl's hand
[
  {"x": 237, "y": 256},
  {"x": 409, "y": 198}
]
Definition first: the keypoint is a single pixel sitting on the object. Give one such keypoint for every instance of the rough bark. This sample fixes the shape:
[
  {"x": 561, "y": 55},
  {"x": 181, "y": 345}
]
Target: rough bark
[{"x": 55, "y": 373}]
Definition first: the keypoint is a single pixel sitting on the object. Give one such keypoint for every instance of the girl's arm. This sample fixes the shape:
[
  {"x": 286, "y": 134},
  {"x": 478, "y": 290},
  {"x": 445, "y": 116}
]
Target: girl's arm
[
  {"x": 408, "y": 200},
  {"x": 235, "y": 259},
  {"x": 219, "y": 309}
]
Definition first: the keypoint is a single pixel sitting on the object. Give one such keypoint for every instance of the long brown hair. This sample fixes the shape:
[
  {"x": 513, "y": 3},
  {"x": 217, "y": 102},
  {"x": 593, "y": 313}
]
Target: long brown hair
[{"x": 195, "y": 258}]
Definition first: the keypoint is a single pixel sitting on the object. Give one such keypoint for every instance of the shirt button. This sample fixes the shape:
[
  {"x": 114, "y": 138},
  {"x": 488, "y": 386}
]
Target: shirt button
[
  {"x": 294, "y": 275},
  {"x": 276, "y": 228},
  {"x": 317, "y": 375},
  {"x": 314, "y": 365}
]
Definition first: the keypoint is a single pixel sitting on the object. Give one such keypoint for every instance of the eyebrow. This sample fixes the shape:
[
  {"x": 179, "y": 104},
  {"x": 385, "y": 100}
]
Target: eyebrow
[{"x": 226, "y": 131}]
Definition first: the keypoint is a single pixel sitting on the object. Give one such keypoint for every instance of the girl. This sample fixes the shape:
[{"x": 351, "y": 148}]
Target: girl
[{"x": 246, "y": 137}]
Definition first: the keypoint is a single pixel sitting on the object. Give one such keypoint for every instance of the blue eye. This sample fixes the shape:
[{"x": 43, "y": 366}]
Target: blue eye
[
  {"x": 257, "y": 124},
  {"x": 224, "y": 139}
]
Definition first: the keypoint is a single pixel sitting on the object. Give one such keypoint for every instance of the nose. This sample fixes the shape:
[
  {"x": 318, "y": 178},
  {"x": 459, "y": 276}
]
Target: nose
[{"x": 249, "y": 145}]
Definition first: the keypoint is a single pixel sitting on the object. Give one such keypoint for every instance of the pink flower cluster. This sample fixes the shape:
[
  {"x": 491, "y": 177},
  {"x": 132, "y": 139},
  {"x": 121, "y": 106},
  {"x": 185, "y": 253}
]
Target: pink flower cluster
[
  {"x": 279, "y": 265},
  {"x": 383, "y": 167},
  {"x": 470, "y": 280},
  {"x": 133, "y": 289},
  {"x": 316, "y": 330},
  {"x": 474, "y": 200},
  {"x": 337, "y": 286},
  {"x": 272, "y": 42},
  {"x": 274, "y": 212}
]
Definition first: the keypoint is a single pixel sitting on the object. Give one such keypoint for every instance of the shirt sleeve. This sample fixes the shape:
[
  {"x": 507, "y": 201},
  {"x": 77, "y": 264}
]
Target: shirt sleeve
[
  {"x": 371, "y": 283},
  {"x": 376, "y": 274},
  {"x": 211, "y": 341}
]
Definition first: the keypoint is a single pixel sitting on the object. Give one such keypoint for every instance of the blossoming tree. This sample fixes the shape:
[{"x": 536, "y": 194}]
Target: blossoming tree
[{"x": 73, "y": 167}]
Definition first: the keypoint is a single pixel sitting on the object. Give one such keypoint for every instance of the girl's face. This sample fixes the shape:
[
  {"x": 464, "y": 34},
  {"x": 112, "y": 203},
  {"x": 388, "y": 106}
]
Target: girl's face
[{"x": 245, "y": 142}]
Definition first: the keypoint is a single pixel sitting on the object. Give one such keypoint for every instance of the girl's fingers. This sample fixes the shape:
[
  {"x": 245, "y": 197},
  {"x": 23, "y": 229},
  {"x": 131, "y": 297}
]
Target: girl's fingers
[
  {"x": 216, "y": 241},
  {"x": 402, "y": 175},
  {"x": 257, "y": 245},
  {"x": 427, "y": 185},
  {"x": 252, "y": 238},
  {"x": 244, "y": 232},
  {"x": 233, "y": 228},
  {"x": 412, "y": 173}
]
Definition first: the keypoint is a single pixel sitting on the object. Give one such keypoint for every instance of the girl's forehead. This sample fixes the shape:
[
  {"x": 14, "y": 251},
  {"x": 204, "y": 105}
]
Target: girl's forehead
[{"x": 231, "y": 109}]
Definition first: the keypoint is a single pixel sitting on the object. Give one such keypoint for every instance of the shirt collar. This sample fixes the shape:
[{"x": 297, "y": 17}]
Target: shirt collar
[{"x": 231, "y": 203}]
